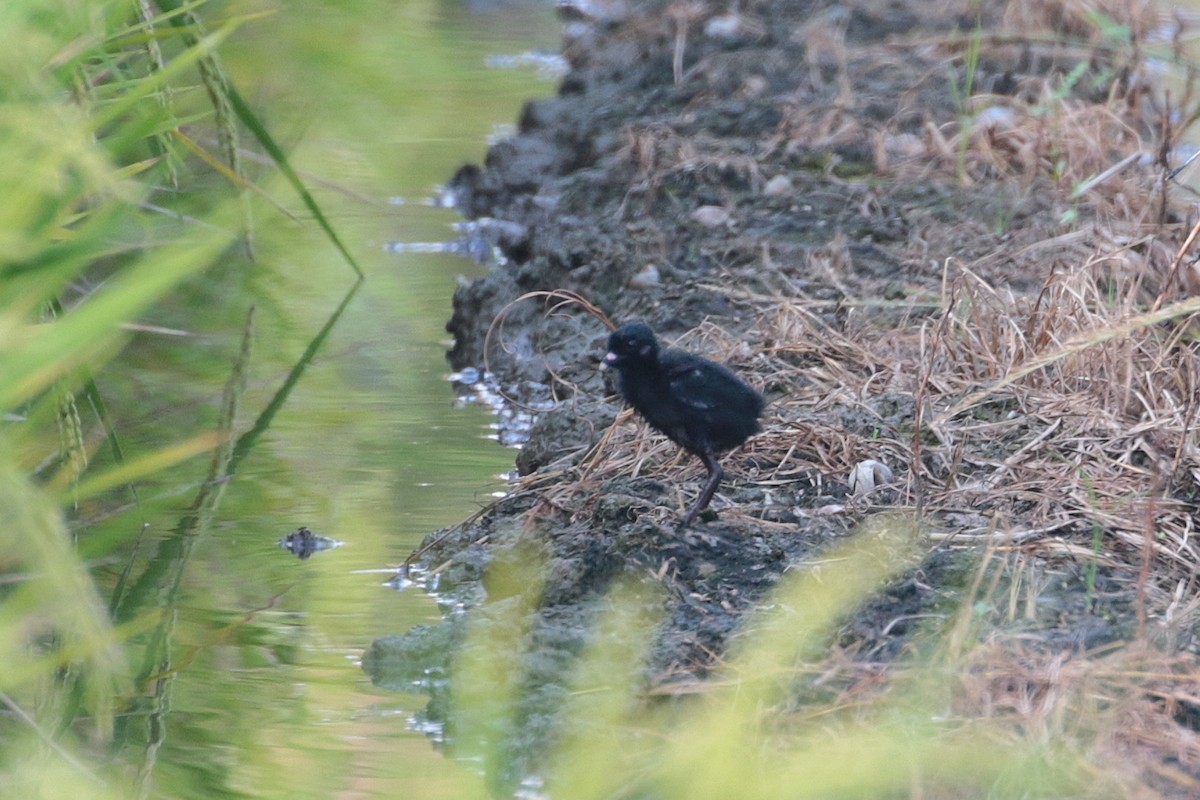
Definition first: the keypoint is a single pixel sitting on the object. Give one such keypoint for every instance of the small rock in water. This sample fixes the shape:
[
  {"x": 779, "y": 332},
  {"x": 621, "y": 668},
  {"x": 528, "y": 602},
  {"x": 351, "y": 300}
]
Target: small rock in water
[
  {"x": 303, "y": 543},
  {"x": 403, "y": 579},
  {"x": 468, "y": 376}
]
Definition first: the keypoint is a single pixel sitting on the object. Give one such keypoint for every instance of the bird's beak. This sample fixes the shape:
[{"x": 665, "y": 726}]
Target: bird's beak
[{"x": 609, "y": 360}]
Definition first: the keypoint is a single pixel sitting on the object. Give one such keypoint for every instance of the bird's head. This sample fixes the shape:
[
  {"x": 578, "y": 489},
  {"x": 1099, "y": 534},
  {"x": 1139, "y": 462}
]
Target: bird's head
[{"x": 632, "y": 343}]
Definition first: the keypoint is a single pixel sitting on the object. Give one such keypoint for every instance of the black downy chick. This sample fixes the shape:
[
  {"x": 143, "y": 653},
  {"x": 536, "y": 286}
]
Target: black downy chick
[{"x": 698, "y": 404}]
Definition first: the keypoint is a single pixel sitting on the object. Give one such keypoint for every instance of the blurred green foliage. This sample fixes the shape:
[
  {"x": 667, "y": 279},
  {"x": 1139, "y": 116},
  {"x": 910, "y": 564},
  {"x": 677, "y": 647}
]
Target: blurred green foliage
[
  {"x": 87, "y": 123},
  {"x": 743, "y": 733}
]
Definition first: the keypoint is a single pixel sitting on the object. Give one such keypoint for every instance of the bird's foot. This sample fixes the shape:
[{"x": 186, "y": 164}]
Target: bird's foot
[{"x": 703, "y": 515}]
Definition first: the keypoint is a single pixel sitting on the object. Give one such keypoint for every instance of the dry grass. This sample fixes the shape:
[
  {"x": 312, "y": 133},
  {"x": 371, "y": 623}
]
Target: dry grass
[{"x": 1062, "y": 410}]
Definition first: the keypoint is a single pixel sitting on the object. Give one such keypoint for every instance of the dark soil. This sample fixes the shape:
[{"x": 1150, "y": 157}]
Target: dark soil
[{"x": 603, "y": 182}]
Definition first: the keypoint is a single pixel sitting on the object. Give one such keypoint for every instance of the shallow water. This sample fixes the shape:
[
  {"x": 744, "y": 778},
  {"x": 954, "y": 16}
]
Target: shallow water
[{"x": 263, "y": 695}]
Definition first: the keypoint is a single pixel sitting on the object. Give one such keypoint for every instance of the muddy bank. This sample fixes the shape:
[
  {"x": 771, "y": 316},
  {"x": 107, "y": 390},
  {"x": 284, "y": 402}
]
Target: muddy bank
[{"x": 798, "y": 191}]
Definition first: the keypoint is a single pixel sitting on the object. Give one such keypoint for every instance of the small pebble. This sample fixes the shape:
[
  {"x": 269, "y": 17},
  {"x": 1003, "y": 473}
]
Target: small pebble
[
  {"x": 726, "y": 26},
  {"x": 712, "y": 216},
  {"x": 905, "y": 145},
  {"x": 779, "y": 186},
  {"x": 1000, "y": 117},
  {"x": 648, "y": 278},
  {"x": 754, "y": 86}
]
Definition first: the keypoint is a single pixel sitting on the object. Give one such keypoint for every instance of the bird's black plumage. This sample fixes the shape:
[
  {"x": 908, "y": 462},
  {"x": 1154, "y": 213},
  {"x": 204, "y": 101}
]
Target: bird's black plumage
[{"x": 698, "y": 404}]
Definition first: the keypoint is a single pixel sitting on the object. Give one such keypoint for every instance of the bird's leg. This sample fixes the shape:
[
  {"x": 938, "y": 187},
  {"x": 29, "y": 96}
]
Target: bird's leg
[{"x": 715, "y": 474}]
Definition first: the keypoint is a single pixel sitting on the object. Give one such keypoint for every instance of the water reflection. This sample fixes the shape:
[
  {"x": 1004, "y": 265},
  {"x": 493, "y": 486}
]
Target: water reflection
[{"x": 344, "y": 423}]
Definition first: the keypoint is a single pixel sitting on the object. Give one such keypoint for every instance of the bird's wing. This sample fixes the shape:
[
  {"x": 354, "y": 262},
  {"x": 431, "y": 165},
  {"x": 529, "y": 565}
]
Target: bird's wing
[{"x": 690, "y": 387}]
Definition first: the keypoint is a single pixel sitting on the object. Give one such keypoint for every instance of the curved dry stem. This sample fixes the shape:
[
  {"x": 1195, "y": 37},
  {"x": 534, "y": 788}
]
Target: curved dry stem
[{"x": 564, "y": 298}]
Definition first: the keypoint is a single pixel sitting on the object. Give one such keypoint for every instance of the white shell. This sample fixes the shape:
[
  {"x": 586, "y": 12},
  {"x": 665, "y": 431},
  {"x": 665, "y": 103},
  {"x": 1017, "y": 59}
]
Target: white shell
[{"x": 867, "y": 476}]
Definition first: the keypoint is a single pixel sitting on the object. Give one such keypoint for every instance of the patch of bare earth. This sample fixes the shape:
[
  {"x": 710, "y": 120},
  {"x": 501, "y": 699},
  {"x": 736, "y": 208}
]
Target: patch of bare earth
[{"x": 943, "y": 241}]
